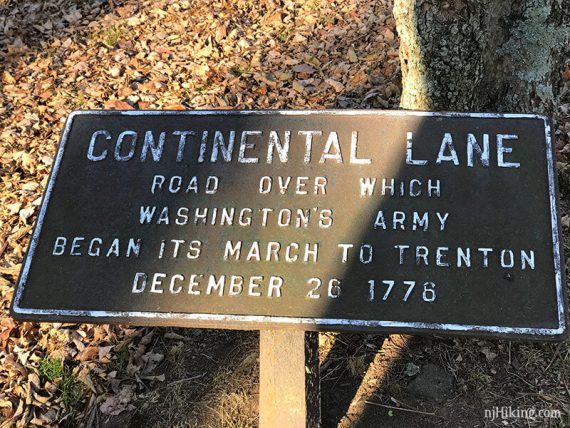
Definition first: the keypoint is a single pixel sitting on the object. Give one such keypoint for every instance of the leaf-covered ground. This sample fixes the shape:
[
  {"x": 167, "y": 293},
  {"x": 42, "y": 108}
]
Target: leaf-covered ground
[{"x": 61, "y": 55}]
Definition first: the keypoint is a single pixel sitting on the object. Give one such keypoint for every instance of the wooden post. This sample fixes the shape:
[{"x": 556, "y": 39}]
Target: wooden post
[{"x": 290, "y": 386}]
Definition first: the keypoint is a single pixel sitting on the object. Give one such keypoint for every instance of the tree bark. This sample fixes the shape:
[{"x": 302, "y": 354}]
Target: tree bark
[{"x": 482, "y": 55}]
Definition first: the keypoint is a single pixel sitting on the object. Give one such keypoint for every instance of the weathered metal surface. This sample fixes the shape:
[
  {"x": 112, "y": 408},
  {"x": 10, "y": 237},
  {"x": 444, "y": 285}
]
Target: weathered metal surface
[
  {"x": 289, "y": 380},
  {"x": 277, "y": 219}
]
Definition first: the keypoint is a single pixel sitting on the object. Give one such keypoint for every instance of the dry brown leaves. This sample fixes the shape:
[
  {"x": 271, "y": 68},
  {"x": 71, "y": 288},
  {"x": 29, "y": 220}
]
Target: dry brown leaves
[{"x": 108, "y": 363}]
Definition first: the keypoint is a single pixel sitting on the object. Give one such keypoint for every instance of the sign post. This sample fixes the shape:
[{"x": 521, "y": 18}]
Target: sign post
[
  {"x": 289, "y": 380},
  {"x": 377, "y": 221}
]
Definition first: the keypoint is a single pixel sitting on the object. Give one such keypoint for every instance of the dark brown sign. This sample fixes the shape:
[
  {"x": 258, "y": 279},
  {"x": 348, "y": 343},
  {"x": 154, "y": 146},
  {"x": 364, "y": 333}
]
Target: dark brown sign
[{"x": 318, "y": 220}]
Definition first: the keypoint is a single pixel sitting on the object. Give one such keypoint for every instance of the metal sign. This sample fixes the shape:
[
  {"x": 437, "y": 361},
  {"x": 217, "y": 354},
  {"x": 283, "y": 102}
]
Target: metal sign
[{"x": 318, "y": 220}]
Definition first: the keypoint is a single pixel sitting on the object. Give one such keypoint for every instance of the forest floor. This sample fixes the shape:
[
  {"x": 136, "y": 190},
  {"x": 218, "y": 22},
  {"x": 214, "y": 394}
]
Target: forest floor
[{"x": 61, "y": 55}]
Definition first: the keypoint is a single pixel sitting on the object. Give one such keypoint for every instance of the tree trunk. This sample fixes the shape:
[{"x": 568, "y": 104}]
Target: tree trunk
[{"x": 482, "y": 55}]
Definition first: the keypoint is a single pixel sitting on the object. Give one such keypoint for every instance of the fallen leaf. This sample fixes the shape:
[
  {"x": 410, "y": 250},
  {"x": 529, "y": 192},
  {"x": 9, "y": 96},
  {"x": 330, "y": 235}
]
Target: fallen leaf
[
  {"x": 7, "y": 325},
  {"x": 118, "y": 105},
  {"x": 388, "y": 34},
  {"x": 7, "y": 78},
  {"x": 105, "y": 353},
  {"x": 337, "y": 86},
  {"x": 352, "y": 55},
  {"x": 115, "y": 71},
  {"x": 11, "y": 363},
  {"x": 176, "y": 336},
  {"x": 26, "y": 213},
  {"x": 14, "y": 208},
  {"x": 174, "y": 106},
  {"x": 88, "y": 353},
  {"x": 298, "y": 87},
  {"x": 119, "y": 403},
  {"x": 84, "y": 378},
  {"x": 303, "y": 68},
  {"x": 411, "y": 369},
  {"x": 490, "y": 355}
]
